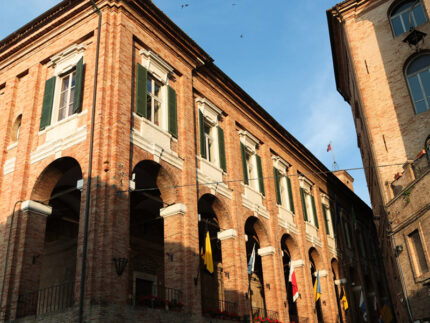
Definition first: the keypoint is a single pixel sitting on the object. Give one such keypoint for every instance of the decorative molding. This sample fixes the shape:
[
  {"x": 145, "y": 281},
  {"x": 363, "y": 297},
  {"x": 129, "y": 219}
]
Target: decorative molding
[
  {"x": 280, "y": 164},
  {"x": 266, "y": 251},
  {"x": 174, "y": 209},
  {"x": 67, "y": 59},
  {"x": 305, "y": 183},
  {"x": 248, "y": 140},
  {"x": 341, "y": 281},
  {"x": 227, "y": 234},
  {"x": 286, "y": 220},
  {"x": 59, "y": 137},
  {"x": 36, "y": 207},
  {"x": 156, "y": 65},
  {"x": 210, "y": 111},
  {"x": 312, "y": 235},
  {"x": 9, "y": 166},
  {"x": 155, "y": 149},
  {"x": 211, "y": 176},
  {"x": 298, "y": 263},
  {"x": 12, "y": 146}
]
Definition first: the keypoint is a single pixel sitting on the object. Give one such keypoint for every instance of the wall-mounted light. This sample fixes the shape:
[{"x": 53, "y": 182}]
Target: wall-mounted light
[
  {"x": 415, "y": 38},
  {"x": 268, "y": 286},
  {"x": 399, "y": 249},
  {"x": 227, "y": 274},
  {"x": 170, "y": 255},
  {"x": 120, "y": 264}
]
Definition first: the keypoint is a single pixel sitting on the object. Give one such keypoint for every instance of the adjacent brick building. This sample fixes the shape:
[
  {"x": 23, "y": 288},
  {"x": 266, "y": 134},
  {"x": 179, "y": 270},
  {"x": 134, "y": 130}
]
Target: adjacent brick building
[
  {"x": 115, "y": 182},
  {"x": 381, "y": 60}
]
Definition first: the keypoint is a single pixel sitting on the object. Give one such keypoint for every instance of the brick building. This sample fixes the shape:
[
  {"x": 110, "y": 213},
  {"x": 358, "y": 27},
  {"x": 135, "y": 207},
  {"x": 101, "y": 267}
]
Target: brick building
[
  {"x": 381, "y": 61},
  {"x": 126, "y": 152}
]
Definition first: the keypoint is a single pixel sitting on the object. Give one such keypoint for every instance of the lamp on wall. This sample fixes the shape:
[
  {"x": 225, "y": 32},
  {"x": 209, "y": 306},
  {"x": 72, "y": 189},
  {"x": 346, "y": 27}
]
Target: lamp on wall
[
  {"x": 120, "y": 264},
  {"x": 415, "y": 38}
]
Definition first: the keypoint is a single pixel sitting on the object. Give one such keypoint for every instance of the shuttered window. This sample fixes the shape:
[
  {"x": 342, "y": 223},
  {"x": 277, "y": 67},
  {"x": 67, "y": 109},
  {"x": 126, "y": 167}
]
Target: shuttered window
[
  {"x": 221, "y": 147},
  {"x": 260, "y": 174}
]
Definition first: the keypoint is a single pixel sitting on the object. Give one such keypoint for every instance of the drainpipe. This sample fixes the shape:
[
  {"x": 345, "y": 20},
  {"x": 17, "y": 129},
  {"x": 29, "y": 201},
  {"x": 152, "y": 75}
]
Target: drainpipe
[
  {"x": 90, "y": 168},
  {"x": 3, "y": 314}
]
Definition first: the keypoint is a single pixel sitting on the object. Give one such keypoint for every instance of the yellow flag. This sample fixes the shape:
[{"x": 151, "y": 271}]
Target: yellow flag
[
  {"x": 344, "y": 300},
  {"x": 207, "y": 256},
  {"x": 317, "y": 288}
]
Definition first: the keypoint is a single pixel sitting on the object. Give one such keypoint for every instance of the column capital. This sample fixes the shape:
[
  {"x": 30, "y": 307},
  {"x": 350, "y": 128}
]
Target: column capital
[
  {"x": 227, "y": 234},
  {"x": 36, "y": 207},
  {"x": 266, "y": 251},
  {"x": 323, "y": 273},
  {"x": 297, "y": 263},
  {"x": 174, "y": 209},
  {"x": 341, "y": 281}
]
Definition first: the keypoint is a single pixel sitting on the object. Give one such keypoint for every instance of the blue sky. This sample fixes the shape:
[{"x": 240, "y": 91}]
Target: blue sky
[{"x": 276, "y": 50}]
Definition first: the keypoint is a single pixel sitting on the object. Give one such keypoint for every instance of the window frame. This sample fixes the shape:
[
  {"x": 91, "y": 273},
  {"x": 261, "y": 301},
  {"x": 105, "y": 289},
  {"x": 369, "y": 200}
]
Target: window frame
[
  {"x": 282, "y": 167},
  {"x": 398, "y": 4},
  {"x": 251, "y": 145},
  {"x": 406, "y": 75},
  {"x": 71, "y": 75},
  {"x": 307, "y": 186},
  {"x": 326, "y": 203},
  {"x": 416, "y": 267}
]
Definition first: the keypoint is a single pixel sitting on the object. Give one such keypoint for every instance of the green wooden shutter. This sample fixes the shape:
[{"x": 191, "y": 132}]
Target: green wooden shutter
[
  {"x": 290, "y": 195},
  {"x": 244, "y": 167},
  {"x": 79, "y": 82},
  {"x": 277, "y": 189},
  {"x": 260, "y": 174},
  {"x": 173, "y": 111},
  {"x": 203, "y": 152},
  {"x": 48, "y": 101},
  {"x": 141, "y": 80},
  {"x": 315, "y": 212},
  {"x": 325, "y": 219},
  {"x": 221, "y": 145},
  {"x": 305, "y": 213}
]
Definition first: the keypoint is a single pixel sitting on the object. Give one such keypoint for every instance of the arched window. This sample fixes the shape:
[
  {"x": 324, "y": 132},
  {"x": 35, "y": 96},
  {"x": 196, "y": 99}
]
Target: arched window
[
  {"x": 418, "y": 76},
  {"x": 403, "y": 16}
]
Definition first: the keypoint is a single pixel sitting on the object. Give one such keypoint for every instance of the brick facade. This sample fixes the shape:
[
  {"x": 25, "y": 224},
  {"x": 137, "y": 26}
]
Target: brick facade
[
  {"x": 153, "y": 194},
  {"x": 371, "y": 65}
]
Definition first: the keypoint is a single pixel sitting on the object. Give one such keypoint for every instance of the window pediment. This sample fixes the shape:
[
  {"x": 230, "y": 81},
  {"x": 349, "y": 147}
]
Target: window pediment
[
  {"x": 280, "y": 164},
  {"x": 67, "y": 59},
  {"x": 156, "y": 65},
  {"x": 249, "y": 141},
  {"x": 306, "y": 184},
  {"x": 210, "y": 111}
]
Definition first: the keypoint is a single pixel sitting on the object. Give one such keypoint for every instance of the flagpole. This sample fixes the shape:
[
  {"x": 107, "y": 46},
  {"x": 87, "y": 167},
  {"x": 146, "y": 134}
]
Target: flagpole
[{"x": 334, "y": 158}]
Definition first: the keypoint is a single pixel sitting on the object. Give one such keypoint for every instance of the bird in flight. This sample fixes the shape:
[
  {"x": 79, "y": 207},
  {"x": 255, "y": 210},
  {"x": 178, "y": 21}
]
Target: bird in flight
[{"x": 184, "y": 5}]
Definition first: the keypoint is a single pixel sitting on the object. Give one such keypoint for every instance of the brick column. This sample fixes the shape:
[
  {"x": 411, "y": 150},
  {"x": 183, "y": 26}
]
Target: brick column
[
  {"x": 28, "y": 264},
  {"x": 228, "y": 257},
  {"x": 340, "y": 284},
  {"x": 325, "y": 300},
  {"x": 299, "y": 269},
  {"x": 267, "y": 262},
  {"x": 173, "y": 217}
]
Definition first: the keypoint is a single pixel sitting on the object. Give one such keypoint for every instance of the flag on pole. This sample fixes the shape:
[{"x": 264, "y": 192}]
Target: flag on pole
[
  {"x": 293, "y": 281},
  {"x": 251, "y": 262},
  {"x": 344, "y": 299},
  {"x": 387, "y": 317},
  {"x": 329, "y": 147},
  {"x": 377, "y": 310},
  {"x": 207, "y": 254},
  {"x": 317, "y": 287},
  {"x": 363, "y": 306}
]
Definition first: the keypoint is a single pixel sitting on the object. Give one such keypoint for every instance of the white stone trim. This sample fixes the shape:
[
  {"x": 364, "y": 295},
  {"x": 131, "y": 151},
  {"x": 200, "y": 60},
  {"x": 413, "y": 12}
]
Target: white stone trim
[
  {"x": 356, "y": 288},
  {"x": 266, "y": 251},
  {"x": 9, "y": 166},
  {"x": 214, "y": 185},
  {"x": 12, "y": 146},
  {"x": 67, "y": 59},
  {"x": 36, "y": 207},
  {"x": 209, "y": 110},
  {"x": 155, "y": 149},
  {"x": 249, "y": 141},
  {"x": 322, "y": 273},
  {"x": 286, "y": 220},
  {"x": 312, "y": 235},
  {"x": 156, "y": 65},
  {"x": 341, "y": 281},
  {"x": 280, "y": 164},
  {"x": 60, "y": 136},
  {"x": 227, "y": 234},
  {"x": 254, "y": 202},
  {"x": 325, "y": 200},
  {"x": 306, "y": 184},
  {"x": 298, "y": 263},
  {"x": 174, "y": 209}
]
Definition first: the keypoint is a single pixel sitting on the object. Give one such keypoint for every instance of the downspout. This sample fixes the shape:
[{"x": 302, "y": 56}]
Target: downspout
[
  {"x": 3, "y": 314},
  {"x": 90, "y": 168}
]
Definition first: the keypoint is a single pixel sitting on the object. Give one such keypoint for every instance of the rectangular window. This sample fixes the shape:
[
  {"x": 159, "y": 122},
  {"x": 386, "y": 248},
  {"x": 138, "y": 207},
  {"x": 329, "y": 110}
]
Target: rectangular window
[
  {"x": 154, "y": 99},
  {"x": 347, "y": 232},
  {"x": 418, "y": 252},
  {"x": 251, "y": 170},
  {"x": 67, "y": 95},
  {"x": 209, "y": 142}
]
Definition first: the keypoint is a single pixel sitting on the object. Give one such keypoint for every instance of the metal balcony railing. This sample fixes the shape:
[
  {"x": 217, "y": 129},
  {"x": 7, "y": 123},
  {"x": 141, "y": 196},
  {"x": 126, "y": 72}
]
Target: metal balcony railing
[
  {"x": 263, "y": 313},
  {"x": 420, "y": 165},
  {"x": 162, "y": 298},
  {"x": 221, "y": 309},
  {"x": 51, "y": 299}
]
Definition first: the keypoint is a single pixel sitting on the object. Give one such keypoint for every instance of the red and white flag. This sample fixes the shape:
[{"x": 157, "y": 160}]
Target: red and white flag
[
  {"x": 293, "y": 281},
  {"x": 329, "y": 147}
]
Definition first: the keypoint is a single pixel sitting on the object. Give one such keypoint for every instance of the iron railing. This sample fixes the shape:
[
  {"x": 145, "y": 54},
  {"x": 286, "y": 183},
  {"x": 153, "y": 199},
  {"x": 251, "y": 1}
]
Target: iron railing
[
  {"x": 263, "y": 313},
  {"x": 163, "y": 298},
  {"x": 421, "y": 165},
  {"x": 210, "y": 305},
  {"x": 46, "y": 300}
]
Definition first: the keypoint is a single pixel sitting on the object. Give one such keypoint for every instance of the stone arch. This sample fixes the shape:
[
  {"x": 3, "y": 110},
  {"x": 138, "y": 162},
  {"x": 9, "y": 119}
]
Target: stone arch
[
  {"x": 315, "y": 258},
  {"x": 335, "y": 268},
  {"x": 293, "y": 248},
  {"x": 218, "y": 207},
  {"x": 64, "y": 168},
  {"x": 257, "y": 225},
  {"x": 156, "y": 177}
]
